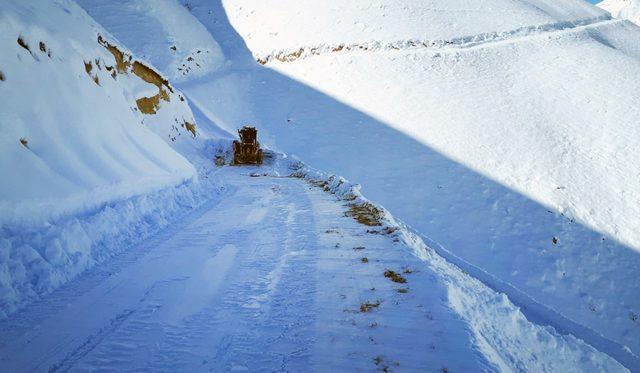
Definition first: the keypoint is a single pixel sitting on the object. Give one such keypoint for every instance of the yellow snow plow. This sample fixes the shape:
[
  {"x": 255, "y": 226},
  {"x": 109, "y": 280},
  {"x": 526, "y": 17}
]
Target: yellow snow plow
[{"x": 247, "y": 150}]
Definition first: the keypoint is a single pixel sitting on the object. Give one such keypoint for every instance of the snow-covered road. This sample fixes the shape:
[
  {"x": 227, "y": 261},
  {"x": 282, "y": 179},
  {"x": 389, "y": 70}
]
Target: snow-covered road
[
  {"x": 242, "y": 284},
  {"x": 274, "y": 276}
]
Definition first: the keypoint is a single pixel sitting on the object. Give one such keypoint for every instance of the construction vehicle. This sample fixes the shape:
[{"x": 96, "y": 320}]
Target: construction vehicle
[{"x": 247, "y": 150}]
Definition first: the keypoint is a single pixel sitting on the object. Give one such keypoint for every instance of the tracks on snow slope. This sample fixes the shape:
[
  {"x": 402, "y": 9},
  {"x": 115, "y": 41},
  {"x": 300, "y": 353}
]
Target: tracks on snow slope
[{"x": 289, "y": 55}]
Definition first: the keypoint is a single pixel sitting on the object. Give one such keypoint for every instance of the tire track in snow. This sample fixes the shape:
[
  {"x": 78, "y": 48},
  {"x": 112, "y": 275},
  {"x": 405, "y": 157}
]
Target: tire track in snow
[{"x": 289, "y": 55}]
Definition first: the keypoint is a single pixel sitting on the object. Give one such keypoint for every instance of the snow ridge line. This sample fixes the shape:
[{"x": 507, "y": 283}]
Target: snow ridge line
[
  {"x": 289, "y": 55},
  {"x": 459, "y": 272}
]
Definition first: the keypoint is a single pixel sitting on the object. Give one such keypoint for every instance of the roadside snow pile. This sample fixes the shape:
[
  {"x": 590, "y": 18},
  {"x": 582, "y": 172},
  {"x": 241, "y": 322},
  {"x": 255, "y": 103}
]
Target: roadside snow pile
[
  {"x": 86, "y": 170},
  {"x": 508, "y": 339},
  {"x": 516, "y": 152},
  {"x": 33, "y": 263},
  {"x": 627, "y": 9},
  {"x": 162, "y": 32}
]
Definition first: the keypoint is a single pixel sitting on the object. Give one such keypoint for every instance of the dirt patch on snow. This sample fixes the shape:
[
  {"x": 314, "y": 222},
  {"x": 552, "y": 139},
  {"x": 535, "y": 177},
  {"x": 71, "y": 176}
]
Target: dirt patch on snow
[
  {"x": 88, "y": 68},
  {"x": 23, "y": 44},
  {"x": 125, "y": 64},
  {"x": 395, "y": 276},
  {"x": 45, "y": 49},
  {"x": 148, "y": 105},
  {"x": 365, "y": 213},
  {"x": 149, "y": 75},
  {"x": 368, "y": 306},
  {"x": 191, "y": 127}
]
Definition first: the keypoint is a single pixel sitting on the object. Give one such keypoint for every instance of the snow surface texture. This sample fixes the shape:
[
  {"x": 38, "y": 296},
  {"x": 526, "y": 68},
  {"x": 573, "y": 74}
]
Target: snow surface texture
[
  {"x": 627, "y": 9},
  {"x": 276, "y": 25},
  {"x": 513, "y": 149},
  {"x": 270, "y": 276},
  {"x": 402, "y": 109},
  {"x": 88, "y": 172},
  {"x": 166, "y": 34}
]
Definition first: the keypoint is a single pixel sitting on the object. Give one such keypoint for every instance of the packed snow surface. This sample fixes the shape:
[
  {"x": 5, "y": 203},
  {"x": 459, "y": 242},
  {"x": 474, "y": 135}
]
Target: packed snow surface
[{"x": 627, "y": 9}]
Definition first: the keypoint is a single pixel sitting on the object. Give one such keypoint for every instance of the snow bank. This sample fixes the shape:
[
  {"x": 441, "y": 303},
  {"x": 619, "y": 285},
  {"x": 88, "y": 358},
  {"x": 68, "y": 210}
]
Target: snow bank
[
  {"x": 35, "y": 263},
  {"x": 88, "y": 148},
  {"x": 627, "y": 9},
  {"x": 162, "y": 32},
  {"x": 72, "y": 133},
  {"x": 38, "y": 260},
  {"x": 506, "y": 337}
]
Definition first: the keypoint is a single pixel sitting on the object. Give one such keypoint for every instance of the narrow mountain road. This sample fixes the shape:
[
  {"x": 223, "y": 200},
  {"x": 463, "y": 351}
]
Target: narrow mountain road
[
  {"x": 269, "y": 278},
  {"x": 274, "y": 276}
]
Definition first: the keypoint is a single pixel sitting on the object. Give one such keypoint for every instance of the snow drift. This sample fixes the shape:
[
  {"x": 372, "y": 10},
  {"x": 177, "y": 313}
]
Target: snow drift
[{"x": 87, "y": 131}]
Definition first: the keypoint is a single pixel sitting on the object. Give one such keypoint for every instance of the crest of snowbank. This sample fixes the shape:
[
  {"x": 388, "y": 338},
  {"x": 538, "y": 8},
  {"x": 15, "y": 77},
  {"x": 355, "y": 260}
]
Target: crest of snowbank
[
  {"x": 627, "y": 9},
  {"x": 161, "y": 31},
  {"x": 72, "y": 137}
]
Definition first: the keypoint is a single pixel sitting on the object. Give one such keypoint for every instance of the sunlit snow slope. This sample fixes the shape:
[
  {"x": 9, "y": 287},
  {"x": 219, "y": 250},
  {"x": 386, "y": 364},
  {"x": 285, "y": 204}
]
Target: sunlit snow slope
[
  {"x": 504, "y": 130},
  {"x": 627, "y": 9},
  {"x": 288, "y": 25}
]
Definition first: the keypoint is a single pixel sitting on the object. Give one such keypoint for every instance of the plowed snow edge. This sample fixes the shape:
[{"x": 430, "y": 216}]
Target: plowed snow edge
[{"x": 468, "y": 277}]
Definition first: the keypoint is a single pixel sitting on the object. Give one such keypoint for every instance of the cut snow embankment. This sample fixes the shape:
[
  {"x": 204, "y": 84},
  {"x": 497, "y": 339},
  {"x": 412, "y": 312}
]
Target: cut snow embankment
[
  {"x": 35, "y": 261},
  {"x": 87, "y": 148}
]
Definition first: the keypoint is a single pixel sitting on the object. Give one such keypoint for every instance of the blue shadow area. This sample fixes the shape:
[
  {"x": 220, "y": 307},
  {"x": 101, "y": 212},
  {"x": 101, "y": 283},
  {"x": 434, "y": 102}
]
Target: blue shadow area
[{"x": 516, "y": 242}]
